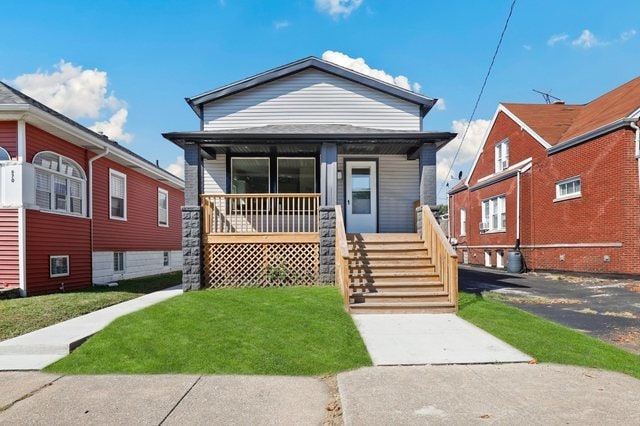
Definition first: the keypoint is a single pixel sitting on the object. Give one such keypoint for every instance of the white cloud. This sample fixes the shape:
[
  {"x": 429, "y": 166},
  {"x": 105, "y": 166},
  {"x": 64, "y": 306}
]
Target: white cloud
[
  {"x": 177, "y": 168},
  {"x": 556, "y": 38},
  {"x": 472, "y": 141},
  {"x": 587, "y": 40},
  {"x": 280, "y": 25},
  {"x": 628, "y": 35},
  {"x": 527, "y": 47},
  {"x": 359, "y": 65},
  {"x": 114, "y": 126},
  {"x": 337, "y": 8},
  {"x": 440, "y": 105},
  {"x": 78, "y": 93}
]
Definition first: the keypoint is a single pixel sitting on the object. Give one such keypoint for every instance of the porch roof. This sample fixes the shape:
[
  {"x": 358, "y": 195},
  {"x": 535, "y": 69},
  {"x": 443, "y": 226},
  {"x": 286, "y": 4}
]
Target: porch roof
[{"x": 309, "y": 137}]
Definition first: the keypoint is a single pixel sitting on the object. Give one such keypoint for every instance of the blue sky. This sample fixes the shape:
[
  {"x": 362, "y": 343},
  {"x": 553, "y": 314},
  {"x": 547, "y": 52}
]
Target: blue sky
[{"x": 140, "y": 59}]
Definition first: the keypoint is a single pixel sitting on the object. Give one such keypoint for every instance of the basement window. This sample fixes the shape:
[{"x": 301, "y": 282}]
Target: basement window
[
  {"x": 118, "y": 261},
  {"x": 165, "y": 258},
  {"x": 58, "y": 266}
]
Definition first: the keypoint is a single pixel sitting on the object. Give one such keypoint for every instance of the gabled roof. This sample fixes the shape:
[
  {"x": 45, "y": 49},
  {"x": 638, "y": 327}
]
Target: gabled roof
[
  {"x": 307, "y": 63},
  {"x": 558, "y": 123},
  {"x": 11, "y": 98}
]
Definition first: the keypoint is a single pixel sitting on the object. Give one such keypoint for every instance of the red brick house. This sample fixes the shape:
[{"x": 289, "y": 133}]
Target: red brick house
[
  {"x": 559, "y": 181},
  {"x": 77, "y": 208}
]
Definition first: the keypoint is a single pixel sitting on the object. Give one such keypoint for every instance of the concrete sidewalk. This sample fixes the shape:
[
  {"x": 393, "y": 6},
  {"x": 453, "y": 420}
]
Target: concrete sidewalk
[
  {"x": 36, "y": 350},
  {"x": 488, "y": 394},
  {"x": 420, "y": 339}
]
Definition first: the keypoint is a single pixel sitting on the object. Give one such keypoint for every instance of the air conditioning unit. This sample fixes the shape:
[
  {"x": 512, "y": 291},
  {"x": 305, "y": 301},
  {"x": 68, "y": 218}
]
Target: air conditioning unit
[{"x": 484, "y": 226}]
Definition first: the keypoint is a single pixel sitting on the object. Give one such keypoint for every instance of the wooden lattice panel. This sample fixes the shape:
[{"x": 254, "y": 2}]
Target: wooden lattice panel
[{"x": 260, "y": 264}]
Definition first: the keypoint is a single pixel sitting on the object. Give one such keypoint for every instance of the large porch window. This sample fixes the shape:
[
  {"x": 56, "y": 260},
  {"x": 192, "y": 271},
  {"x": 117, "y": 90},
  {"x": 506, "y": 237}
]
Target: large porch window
[{"x": 252, "y": 175}]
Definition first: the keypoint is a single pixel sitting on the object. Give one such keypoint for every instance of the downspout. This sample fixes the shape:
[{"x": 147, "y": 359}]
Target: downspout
[
  {"x": 635, "y": 127},
  {"x": 517, "y": 247},
  {"x": 90, "y": 207}
]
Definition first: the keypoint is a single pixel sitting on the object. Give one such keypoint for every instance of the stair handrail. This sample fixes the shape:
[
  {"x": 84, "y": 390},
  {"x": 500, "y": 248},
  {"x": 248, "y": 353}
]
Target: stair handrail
[
  {"x": 443, "y": 255},
  {"x": 342, "y": 257}
]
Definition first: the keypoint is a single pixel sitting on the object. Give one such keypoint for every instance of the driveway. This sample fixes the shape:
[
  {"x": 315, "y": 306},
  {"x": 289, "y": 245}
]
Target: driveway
[{"x": 608, "y": 309}]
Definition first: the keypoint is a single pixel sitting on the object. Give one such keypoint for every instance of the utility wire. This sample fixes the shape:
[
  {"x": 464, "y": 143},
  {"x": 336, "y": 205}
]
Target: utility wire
[{"x": 475, "y": 107}]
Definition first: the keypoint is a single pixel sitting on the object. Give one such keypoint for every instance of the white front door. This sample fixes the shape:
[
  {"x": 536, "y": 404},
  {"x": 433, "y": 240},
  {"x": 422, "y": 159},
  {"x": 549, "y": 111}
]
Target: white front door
[{"x": 361, "y": 197}]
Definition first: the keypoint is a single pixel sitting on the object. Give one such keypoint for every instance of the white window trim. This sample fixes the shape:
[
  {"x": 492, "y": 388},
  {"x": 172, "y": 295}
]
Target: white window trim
[
  {"x": 315, "y": 184},
  {"x": 250, "y": 158},
  {"x": 124, "y": 262},
  {"x": 113, "y": 172},
  {"x": 568, "y": 196},
  {"x": 490, "y": 229},
  {"x": 499, "y": 148},
  {"x": 166, "y": 193},
  {"x": 463, "y": 222},
  {"x": 66, "y": 274},
  {"x": 82, "y": 180}
]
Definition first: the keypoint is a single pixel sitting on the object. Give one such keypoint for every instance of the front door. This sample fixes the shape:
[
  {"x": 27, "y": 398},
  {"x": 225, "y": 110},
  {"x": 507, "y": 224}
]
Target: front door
[{"x": 361, "y": 197}]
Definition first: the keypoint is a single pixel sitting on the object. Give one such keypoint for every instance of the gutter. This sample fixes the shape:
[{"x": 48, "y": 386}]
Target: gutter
[{"x": 592, "y": 134}]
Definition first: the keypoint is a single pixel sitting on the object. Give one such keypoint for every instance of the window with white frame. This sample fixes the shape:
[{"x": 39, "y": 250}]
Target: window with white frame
[
  {"x": 494, "y": 215},
  {"x": 463, "y": 222},
  {"x": 502, "y": 155},
  {"x": 4, "y": 154},
  {"x": 568, "y": 188},
  {"x": 163, "y": 207},
  {"x": 58, "y": 266},
  {"x": 117, "y": 195},
  {"x": 165, "y": 258},
  {"x": 60, "y": 184},
  {"x": 118, "y": 261}
]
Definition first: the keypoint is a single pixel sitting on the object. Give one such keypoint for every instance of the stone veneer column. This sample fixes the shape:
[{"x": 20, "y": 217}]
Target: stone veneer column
[
  {"x": 192, "y": 272},
  {"x": 327, "y": 244}
]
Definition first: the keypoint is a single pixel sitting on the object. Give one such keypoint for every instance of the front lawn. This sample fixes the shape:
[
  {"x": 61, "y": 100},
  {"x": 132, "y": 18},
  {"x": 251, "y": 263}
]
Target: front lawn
[
  {"x": 544, "y": 340},
  {"x": 276, "y": 331},
  {"x": 20, "y": 316}
]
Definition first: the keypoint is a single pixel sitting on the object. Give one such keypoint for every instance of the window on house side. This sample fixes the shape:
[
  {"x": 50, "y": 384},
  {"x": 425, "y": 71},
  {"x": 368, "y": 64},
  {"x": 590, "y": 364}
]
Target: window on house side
[
  {"x": 165, "y": 258},
  {"x": 60, "y": 184},
  {"x": 494, "y": 214},
  {"x": 502, "y": 155},
  {"x": 569, "y": 188},
  {"x": 118, "y": 261},
  {"x": 4, "y": 155},
  {"x": 463, "y": 222},
  {"x": 163, "y": 207},
  {"x": 58, "y": 266},
  {"x": 118, "y": 195}
]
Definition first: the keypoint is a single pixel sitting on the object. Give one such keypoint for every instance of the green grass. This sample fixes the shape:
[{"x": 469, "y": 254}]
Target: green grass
[
  {"x": 277, "y": 331},
  {"x": 544, "y": 340},
  {"x": 20, "y": 316}
]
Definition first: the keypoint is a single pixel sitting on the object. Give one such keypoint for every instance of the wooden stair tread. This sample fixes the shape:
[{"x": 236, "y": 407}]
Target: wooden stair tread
[
  {"x": 416, "y": 274},
  {"x": 400, "y": 293},
  {"x": 400, "y": 305}
]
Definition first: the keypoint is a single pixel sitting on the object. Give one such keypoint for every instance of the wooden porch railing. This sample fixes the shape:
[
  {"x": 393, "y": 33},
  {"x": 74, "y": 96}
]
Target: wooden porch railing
[
  {"x": 260, "y": 213},
  {"x": 443, "y": 256},
  {"x": 342, "y": 257}
]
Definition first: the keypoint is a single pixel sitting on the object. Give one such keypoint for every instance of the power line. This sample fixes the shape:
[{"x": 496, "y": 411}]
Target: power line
[{"x": 484, "y": 83}]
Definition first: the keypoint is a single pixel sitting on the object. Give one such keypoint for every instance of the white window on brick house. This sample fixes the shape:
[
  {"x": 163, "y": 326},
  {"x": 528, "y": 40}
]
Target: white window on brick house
[
  {"x": 163, "y": 207},
  {"x": 463, "y": 222},
  {"x": 502, "y": 155},
  {"x": 465, "y": 257},
  {"x": 568, "y": 188},
  {"x": 118, "y": 261},
  {"x": 117, "y": 195},
  {"x": 494, "y": 214},
  {"x": 58, "y": 266},
  {"x": 499, "y": 259},
  {"x": 487, "y": 258},
  {"x": 60, "y": 184}
]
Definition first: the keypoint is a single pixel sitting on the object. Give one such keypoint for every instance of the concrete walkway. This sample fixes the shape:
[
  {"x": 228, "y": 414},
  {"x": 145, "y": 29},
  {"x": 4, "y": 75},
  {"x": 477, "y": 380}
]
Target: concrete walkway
[
  {"x": 419, "y": 339},
  {"x": 508, "y": 394},
  {"x": 36, "y": 350}
]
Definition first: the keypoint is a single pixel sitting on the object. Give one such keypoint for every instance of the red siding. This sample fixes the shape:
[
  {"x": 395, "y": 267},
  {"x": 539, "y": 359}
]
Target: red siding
[
  {"x": 606, "y": 212},
  {"x": 9, "y": 255},
  {"x": 9, "y": 137},
  {"x": 50, "y": 234},
  {"x": 140, "y": 231}
]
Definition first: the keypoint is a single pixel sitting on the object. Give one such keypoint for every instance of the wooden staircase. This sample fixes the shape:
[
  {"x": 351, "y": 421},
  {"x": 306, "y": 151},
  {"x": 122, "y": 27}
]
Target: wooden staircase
[{"x": 393, "y": 273}]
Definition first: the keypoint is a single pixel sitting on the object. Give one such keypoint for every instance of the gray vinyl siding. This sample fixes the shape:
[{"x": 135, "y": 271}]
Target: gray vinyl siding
[
  {"x": 312, "y": 96},
  {"x": 215, "y": 175},
  {"x": 398, "y": 190}
]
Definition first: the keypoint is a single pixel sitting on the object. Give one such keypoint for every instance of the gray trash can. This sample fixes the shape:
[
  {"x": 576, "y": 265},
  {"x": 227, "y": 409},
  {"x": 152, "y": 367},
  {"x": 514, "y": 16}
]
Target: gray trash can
[{"x": 514, "y": 261}]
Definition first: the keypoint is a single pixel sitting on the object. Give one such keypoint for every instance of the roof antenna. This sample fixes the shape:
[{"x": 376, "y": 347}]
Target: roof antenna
[{"x": 549, "y": 98}]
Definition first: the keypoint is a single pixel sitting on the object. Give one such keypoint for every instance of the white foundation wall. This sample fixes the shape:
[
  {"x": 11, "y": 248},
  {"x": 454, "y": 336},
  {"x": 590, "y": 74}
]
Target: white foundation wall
[{"x": 136, "y": 264}]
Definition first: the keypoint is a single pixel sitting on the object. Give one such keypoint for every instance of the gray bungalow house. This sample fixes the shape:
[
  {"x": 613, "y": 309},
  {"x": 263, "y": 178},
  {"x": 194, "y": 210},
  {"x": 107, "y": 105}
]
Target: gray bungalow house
[{"x": 313, "y": 173}]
